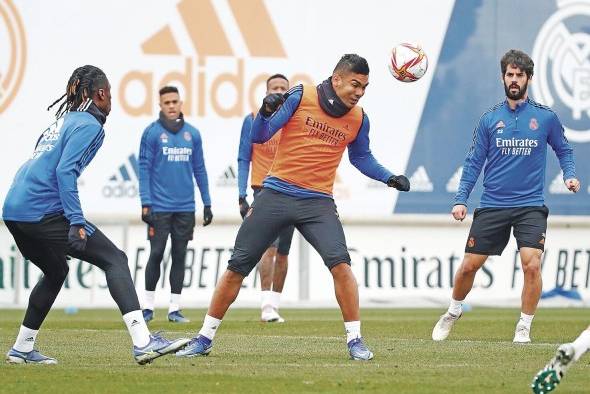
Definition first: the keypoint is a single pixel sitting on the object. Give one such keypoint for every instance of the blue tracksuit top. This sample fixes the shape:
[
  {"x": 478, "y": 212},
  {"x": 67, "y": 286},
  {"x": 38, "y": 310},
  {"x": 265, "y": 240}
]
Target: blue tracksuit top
[
  {"x": 167, "y": 163},
  {"x": 244, "y": 155},
  {"x": 513, "y": 145},
  {"x": 359, "y": 153},
  {"x": 48, "y": 182}
]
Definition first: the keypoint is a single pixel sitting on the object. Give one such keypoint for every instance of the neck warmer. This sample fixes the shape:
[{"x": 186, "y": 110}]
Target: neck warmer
[
  {"x": 92, "y": 109},
  {"x": 329, "y": 100},
  {"x": 172, "y": 126}
]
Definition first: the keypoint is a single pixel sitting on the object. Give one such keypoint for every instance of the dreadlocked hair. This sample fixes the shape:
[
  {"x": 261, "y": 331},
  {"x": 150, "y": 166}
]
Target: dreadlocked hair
[{"x": 82, "y": 85}]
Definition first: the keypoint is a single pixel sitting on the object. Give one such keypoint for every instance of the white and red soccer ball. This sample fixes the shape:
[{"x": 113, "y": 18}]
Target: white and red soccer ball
[{"x": 408, "y": 62}]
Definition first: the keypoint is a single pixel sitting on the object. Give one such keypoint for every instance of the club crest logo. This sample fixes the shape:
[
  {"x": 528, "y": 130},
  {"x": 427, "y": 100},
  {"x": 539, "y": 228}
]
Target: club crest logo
[
  {"x": 13, "y": 53},
  {"x": 562, "y": 67},
  {"x": 533, "y": 124},
  {"x": 187, "y": 136}
]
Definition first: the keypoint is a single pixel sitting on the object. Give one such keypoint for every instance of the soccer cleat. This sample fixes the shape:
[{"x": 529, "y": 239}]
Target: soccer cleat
[
  {"x": 522, "y": 334},
  {"x": 148, "y": 315},
  {"x": 271, "y": 316},
  {"x": 358, "y": 350},
  {"x": 443, "y": 327},
  {"x": 158, "y": 346},
  {"x": 176, "y": 317},
  {"x": 199, "y": 346},
  {"x": 33, "y": 357},
  {"x": 548, "y": 378}
]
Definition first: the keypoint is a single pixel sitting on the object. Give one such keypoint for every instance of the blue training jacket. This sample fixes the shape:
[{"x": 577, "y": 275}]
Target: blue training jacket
[
  {"x": 359, "y": 152},
  {"x": 513, "y": 146},
  {"x": 48, "y": 182},
  {"x": 244, "y": 155},
  {"x": 167, "y": 163}
]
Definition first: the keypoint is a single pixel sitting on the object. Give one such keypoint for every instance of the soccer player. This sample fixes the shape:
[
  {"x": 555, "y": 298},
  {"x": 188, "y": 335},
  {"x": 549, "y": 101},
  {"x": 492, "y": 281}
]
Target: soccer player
[
  {"x": 170, "y": 154},
  {"x": 549, "y": 377},
  {"x": 512, "y": 137},
  {"x": 42, "y": 212},
  {"x": 274, "y": 263},
  {"x": 318, "y": 124}
]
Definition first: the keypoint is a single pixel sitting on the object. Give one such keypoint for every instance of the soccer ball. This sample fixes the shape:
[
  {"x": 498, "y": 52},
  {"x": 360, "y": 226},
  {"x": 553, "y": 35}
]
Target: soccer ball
[{"x": 408, "y": 62}]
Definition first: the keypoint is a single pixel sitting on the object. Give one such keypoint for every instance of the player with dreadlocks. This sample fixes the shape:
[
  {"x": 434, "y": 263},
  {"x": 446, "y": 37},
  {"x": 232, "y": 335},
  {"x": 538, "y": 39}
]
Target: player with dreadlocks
[{"x": 43, "y": 213}]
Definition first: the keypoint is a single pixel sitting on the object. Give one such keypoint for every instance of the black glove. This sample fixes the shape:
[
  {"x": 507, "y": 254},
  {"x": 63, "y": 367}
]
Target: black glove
[
  {"x": 400, "y": 182},
  {"x": 146, "y": 214},
  {"x": 207, "y": 215},
  {"x": 77, "y": 238},
  {"x": 271, "y": 103},
  {"x": 244, "y": 206}
]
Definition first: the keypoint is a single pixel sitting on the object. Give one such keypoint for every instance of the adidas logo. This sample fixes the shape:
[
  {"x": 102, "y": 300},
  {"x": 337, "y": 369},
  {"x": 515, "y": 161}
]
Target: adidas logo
[
  {"x": 453, "y": 183},
  {"x": 557, "y": 185},
  {"x": 134, "y": 323},
  {"x": 233, "y": 32},
  {"x": 30, "y": 339},
  {"x": 228, "y": 178},
  {"x": 125, "y": 182},
  {"x": 420, "y": 181}
]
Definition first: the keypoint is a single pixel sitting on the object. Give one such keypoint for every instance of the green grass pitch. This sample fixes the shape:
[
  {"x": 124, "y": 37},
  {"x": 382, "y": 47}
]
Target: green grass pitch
[{"x": 305, "y": 354}]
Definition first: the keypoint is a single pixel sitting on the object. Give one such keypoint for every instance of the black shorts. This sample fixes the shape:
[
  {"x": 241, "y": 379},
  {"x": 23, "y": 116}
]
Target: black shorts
[
  {"x": 179, "y": 225},
  {"x": 490, "y": 230},
  {"x": 315, "y": 218},
  {"x": 283, "y": 241}
]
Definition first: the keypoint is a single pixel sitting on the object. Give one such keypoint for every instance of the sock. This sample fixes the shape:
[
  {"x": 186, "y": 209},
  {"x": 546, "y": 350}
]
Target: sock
[
  {"x": 149, "y": 300},
  {"x": 25, "y": 341},
  {"x": 353, "y": 330},
  {"x": 140, "y": 335},
  {"x": 174, "y": 303},
  {"x": 275, "y": 299},
  {"x": 526, "y": 320},
  {"x": 265, "y": 296},
  {"x": 455, "y": 307},
  {"x": 210, "y": 326},
  {"x": 582, "y": 344}
]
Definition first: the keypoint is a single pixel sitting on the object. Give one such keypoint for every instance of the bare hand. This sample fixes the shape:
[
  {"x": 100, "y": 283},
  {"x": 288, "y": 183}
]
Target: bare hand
[
  {"x": 459, "y": 212},
  {"x": 572, "y": 184}
]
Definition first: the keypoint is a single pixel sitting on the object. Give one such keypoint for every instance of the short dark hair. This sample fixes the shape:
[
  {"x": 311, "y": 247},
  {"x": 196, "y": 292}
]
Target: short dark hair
[
  {"x": 168, "y": 89},
  {"x": 82, "y": 85},
  {"x": 517, "y": 58},
  {"x": 351, "y": 62},
  {"x": 274, "y": 76}
]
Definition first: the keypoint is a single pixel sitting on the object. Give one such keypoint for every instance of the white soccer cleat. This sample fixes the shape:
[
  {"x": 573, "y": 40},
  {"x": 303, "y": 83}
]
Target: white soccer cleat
[
  {"x": 548, "y": 378},
  {"x": 270, "y": 315},
  {"x": 443, "y": 327},
  {"x": 522, "y": 334}
]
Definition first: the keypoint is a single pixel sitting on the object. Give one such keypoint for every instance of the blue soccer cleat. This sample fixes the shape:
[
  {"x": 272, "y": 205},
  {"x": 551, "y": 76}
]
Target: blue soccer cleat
[
  {"x": 148, "y": 315},
  {"x": 158, "y": 346},
  {"x": 199, "y": 346},
  {"x": 358, "y": 350},
  {"x": 33, "y": 357},
  {"x": 176, "y": 317}
]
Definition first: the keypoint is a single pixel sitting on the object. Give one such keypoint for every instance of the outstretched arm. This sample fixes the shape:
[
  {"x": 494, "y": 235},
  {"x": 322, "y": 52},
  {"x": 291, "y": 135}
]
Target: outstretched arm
[{"x": 474, "y": 162}]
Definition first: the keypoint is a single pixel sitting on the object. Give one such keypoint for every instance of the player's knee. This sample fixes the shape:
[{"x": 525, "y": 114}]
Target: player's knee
[
  {"x": 531, "y": 268},
  {"x": 469, "y": 268},
  {"x": 58, "y": 275}
]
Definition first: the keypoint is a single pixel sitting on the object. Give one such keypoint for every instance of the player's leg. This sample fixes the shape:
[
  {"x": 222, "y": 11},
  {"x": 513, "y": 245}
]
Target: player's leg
[
  {"x": 530, "y": 225},
  {"x": 267, "y": 216},
  {"x": 318, "y": 222},
  {"x": 548, "y": 378},
  {"x": 183, "y": 225},
  {"x": 489, "y": 235},
  {"x": 101, "y": 252},
  {"x": 280, "y": 269},
  {"x": 158, "y": 233},
  {"x": 266, "y": 267},
  {"x": 52, "y": 262}
]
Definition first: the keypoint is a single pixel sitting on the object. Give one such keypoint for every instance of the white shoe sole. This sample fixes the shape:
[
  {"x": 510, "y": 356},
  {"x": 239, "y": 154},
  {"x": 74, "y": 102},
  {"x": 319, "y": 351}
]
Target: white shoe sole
[{"x": 18, "y": 360}]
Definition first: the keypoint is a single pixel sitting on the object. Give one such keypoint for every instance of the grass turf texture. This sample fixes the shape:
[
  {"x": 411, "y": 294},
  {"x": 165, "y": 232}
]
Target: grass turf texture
[{"x": 305, "y": 354}]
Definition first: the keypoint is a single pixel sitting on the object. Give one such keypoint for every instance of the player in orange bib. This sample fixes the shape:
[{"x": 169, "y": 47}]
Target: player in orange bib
[
  {"x": 318, "y": 124},
  {"x": 274, "y": 263}
]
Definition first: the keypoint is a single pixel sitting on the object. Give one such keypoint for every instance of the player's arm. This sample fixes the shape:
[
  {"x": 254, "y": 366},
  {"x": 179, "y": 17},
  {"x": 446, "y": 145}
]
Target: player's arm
[
  {"x": 244, "y": 156},
  {"x": 472, "y": 166},
  {"x": 147, "y": 153},
  {"x": 564, "y": 153},
  {"x": 266, "y": 125},
  {"x": 77, "y": 153},
  {"x": 200, "y": 174}
]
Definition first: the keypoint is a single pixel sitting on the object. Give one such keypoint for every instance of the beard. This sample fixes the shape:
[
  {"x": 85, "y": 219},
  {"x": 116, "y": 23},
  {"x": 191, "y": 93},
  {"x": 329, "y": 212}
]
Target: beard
[{"x": 518, "y": 95}]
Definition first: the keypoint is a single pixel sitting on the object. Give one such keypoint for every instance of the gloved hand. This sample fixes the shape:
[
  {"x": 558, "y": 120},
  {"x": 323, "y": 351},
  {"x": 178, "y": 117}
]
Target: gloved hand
[
  {"x": 400, "y": 182},
  {"x": 77, "y": 238},
  {"x": 271, "y": 103},
  {"x": 146, "y": 214},
  {"x": 244, "y": 206},
  {"x": 207, "y": 215}
]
